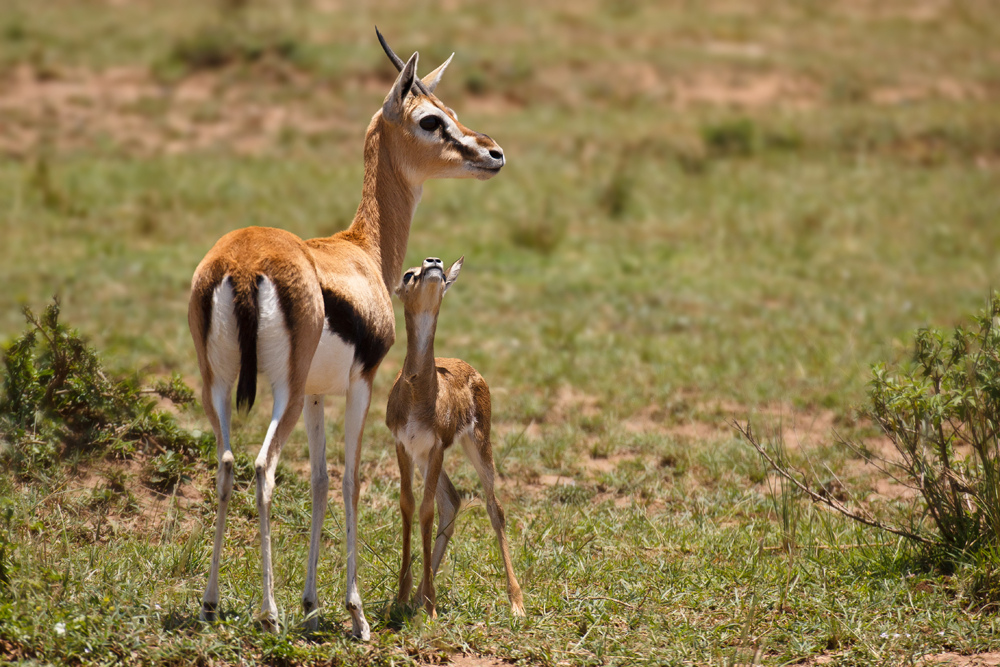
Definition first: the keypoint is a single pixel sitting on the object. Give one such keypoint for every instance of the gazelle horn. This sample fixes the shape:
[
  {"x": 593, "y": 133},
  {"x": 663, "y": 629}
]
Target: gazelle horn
[{"x": 399, "y": 62}]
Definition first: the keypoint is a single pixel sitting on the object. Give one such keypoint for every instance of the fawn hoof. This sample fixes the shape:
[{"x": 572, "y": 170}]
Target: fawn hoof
[
  {"x": 517, "y": 609},
  {"x": 209, "y": 612}
]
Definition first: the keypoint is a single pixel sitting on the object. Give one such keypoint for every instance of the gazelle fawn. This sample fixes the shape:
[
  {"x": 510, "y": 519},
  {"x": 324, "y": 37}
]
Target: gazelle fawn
[
  {"x": 432, "y": 403},
  {"x": 315, "y": 317}
]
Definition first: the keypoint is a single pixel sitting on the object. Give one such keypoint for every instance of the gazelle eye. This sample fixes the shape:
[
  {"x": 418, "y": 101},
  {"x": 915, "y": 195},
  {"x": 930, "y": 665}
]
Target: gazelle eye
[
  {"x": 430, "y": 123},
  {"x": 407, "y": 277}
]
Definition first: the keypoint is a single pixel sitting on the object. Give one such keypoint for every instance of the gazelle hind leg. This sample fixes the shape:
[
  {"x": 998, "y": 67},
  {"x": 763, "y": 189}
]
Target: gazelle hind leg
[
  {"x": 287, "y": 407},
  {"x": 219, "y": 363},
  {"x": 480, "y": 452},
  {"x": 406, "y": 507},
  {"x": 218, "y": 407},
  {"x": 359, "y": 396},
  {"x": 320, "y": 485},
  {"x": 448, "y": 502},
  {"x": 284, "y": 357}
]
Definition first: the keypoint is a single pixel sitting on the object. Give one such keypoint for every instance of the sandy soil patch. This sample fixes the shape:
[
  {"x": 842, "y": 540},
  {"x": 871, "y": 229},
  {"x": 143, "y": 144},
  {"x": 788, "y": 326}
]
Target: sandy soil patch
[
  {"x": 746, "y": 91},
  {"x": 75, "y": 108}
]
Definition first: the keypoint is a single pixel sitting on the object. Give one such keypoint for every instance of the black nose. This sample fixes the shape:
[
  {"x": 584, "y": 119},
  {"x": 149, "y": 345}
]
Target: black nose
[
  {"x": 433, "y": 260},
  {"x": 496, "y": 154}
]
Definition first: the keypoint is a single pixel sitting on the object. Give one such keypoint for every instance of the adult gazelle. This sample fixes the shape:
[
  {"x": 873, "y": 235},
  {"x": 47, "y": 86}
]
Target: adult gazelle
[{"x": 315, "y": 316}]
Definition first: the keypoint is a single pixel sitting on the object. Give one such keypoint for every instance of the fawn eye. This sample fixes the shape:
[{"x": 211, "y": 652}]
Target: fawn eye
[
  {"x": 407, "y": 277},
  {"x": 430, "y": 123}
]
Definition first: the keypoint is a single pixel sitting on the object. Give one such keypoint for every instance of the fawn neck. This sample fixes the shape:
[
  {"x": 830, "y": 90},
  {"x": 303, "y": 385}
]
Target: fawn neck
[
  {"x": 388, "y": 200},
  {"x": 419, "y": 368}
]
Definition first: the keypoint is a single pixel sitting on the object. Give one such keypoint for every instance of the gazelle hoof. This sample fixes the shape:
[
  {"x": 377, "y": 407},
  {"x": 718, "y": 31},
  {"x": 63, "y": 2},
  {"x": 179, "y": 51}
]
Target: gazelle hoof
[
  {"x": 359, "y": 625},
  {"x": 360, "y": 630},
  {"x": 269, "y": 624},
  {"x": 517, "y": 609},
  {"x": 209, "y": 612}
]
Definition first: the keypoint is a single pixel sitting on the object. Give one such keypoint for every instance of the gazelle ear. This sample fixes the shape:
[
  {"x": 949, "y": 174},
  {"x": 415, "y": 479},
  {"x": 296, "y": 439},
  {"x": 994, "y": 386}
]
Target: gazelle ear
[
  {"x": 392, "y": 107},
  {"x": 452, "y": 275},
  {"x": 431, "y": 80}
]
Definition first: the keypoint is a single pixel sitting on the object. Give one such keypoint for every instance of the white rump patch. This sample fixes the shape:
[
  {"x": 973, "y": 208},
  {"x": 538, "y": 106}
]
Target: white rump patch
[
  {"x": 274, "y": 345},
  {"x": 222, "y": 346}
]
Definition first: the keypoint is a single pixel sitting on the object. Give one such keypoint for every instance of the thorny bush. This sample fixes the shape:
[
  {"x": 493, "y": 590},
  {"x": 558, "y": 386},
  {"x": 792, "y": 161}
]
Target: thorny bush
[
  {"x": 941, "y": 412},
  {"x": 59, "y": 402},
  {"x": 942, "y": 415}
]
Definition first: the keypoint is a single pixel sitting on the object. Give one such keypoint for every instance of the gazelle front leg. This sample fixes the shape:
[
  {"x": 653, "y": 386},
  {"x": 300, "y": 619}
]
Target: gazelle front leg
[
  {"x": 359, "y": 395},
  {"x": 320, "y": 483},
  {"x": 425, "y": 592},
  {"x": 218, "y": 407},
  {"x": 406, "y": 507}
]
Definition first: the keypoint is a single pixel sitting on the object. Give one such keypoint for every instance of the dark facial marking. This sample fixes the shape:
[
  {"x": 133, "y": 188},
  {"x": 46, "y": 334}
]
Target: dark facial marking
[{"x": 463, "y": 150}]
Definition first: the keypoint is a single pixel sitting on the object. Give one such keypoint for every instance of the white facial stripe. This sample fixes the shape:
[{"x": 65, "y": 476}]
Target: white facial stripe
[{"x": 449, "y": 130}]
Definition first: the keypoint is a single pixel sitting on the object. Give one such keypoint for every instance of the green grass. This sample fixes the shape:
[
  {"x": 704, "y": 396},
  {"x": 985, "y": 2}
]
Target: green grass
[{"x": 644, "y": 265}]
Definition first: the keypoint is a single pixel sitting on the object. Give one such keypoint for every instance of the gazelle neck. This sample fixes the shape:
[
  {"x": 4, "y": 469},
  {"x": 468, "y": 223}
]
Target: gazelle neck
[
  {"x": 388, "y": 200},
  {"x": 419, "y": 367}
]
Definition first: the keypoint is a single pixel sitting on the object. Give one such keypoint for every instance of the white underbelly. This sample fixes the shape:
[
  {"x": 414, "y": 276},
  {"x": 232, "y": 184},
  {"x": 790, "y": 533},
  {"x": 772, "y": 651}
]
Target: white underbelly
[{"x": 330, "y": 372}]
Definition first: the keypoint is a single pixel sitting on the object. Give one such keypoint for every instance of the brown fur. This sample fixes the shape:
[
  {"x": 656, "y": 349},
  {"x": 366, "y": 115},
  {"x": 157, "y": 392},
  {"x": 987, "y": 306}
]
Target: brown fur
[
  {"x": 349, "y": 272},
  {"x": 442, "y": 399}
]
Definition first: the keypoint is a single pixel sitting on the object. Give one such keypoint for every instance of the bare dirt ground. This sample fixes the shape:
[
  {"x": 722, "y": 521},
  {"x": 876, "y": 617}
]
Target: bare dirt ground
[{"x": 136, "y": 112}]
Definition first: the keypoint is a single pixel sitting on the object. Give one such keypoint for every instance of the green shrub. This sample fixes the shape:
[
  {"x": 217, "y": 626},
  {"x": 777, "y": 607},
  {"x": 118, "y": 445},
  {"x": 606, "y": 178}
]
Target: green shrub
[
  {"x": 58, "y": 400},
  {"x": 943, "y": 415},
  {"x": 166, "y": 471}
]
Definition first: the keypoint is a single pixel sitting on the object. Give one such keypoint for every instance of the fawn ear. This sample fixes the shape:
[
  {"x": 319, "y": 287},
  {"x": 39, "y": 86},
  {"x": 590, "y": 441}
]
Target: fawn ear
[{"x": 452, "y": 274}]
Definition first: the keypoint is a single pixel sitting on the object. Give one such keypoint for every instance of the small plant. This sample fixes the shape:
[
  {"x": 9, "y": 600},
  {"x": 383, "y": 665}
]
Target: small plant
[
  {"x": 166, "y": 471},
  {"x": 57, "y": 399},
  {"x": 543, "y": 233},
  {"x": 617, "y": 195},
  {"x": 734, "y": 138}
]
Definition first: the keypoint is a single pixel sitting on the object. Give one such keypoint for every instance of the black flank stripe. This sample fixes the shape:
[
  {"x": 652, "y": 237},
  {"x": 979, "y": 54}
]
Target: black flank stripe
[{"x": 344, "y": 320}]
